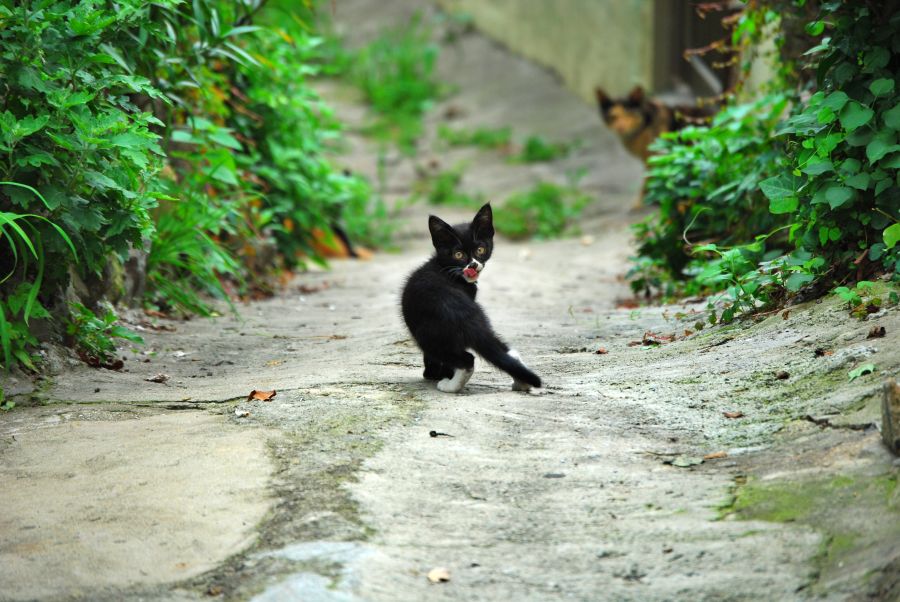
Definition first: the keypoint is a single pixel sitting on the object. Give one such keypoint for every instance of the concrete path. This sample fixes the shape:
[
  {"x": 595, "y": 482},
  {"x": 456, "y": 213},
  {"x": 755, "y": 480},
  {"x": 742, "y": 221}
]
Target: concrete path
[{"x": 592, "y": 488}]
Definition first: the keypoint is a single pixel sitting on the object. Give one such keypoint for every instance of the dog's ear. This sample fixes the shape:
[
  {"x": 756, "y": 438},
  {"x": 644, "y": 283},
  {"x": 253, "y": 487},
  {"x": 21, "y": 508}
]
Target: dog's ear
[
  {"x": 483, "y": 223},
  {"x": 636, "y": 95},
  {"x": 603, "y": 99},
  {"x": 442, "y": 234}
]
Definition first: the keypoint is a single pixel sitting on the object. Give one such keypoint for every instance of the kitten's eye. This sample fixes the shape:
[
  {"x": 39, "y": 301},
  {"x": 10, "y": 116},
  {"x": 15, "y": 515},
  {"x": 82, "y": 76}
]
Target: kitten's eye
[
  {"x": 459, "y": 255},
  {"x": 480, "y": 251}
]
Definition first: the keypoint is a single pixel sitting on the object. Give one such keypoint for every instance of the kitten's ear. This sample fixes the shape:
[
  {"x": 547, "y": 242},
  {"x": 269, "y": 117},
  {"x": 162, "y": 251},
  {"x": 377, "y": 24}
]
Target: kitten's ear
[
  {"x": 636, "y": 95},
  {"x": 603, "y": 99},
  {"x": 483, "y": 224},
  {"x": 442, "y": 234}
]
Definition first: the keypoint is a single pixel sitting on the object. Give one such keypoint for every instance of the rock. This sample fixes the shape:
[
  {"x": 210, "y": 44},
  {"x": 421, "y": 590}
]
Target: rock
[
  {"x": 890, "y": 416},
  {"x": 135, "y": 275}
]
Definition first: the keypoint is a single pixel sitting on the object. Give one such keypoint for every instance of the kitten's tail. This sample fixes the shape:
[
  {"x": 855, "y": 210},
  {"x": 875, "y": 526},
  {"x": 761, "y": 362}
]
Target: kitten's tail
[{"x": 493, "y": 350}]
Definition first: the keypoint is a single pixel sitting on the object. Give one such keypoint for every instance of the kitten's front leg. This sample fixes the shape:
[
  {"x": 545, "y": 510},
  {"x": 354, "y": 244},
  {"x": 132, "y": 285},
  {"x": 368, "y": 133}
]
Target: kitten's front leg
[
  {"x": 435, "y": 369},
  {"x": 461, "y": 375}
]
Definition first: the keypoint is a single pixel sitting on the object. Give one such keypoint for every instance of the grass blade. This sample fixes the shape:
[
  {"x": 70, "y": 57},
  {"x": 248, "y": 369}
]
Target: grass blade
[{"x": 4, "y": 340}]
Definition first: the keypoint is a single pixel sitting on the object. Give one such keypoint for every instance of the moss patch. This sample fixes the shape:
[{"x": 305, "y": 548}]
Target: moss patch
[{"x": 855, "y": 513}]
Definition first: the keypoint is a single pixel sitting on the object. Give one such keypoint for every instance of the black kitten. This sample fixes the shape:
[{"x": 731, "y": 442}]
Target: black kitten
[{"x": 440, "y": 310}]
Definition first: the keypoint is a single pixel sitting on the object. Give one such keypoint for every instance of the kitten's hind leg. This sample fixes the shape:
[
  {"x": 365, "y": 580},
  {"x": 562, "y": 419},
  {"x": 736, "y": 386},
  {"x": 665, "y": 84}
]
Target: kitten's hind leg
[
  {"x": 518, "y": 385},
  {"x": 464, "y": 367}
]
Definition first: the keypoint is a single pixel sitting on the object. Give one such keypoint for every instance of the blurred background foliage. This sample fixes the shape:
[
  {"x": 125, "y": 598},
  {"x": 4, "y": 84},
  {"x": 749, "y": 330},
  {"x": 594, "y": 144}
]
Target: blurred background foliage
[{"x": 794, "y": 193}]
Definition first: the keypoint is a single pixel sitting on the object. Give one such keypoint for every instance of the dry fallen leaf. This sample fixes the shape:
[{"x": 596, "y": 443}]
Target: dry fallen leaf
[
  {"x": 307, "y": 289},
  {"x": 651, "y": 338},
  {"x": 215, "y": 590},
  {"x": 273, "y": 363},
  {"x": 733, "y": 414},
  {"x": 159, "y": 378},
  {"x": 715, "y": 455},
  {"x": 261, "y": 395},
  {"x": 601, "y": 351},
  {"x": 438, "y": 575}
]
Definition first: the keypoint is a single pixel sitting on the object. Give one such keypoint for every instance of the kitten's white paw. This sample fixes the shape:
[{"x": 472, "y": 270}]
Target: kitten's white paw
[
  {"x": 455, "y": 384},
  {"x": 518, "y": 385}
]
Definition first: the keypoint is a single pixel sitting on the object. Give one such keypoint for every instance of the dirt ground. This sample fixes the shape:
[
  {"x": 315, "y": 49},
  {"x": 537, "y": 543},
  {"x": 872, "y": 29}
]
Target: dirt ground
[{"x": 622, "y": 479}]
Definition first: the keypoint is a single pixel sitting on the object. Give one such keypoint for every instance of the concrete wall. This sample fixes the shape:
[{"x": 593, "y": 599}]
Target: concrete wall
[{"x": 588, "y": 42}]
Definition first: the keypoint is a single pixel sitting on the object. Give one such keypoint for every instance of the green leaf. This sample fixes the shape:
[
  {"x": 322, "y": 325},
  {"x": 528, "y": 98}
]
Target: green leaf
[
  {"x": 860, "y": 181},
  {"x": 850, "y": 166},
  {"x": 891, "y": 235},
  {"x": 225, "y": 139},
  {"x": 784, "y": 205},
  {"x": 836, "y": 101},
  {"x": 860, "y": 137},
  {"x": 876, "y": 58},
  {"x": 825, "y": 115},
  {"x": 797, "y": 280},
  {"x": 5, "y": 343},
  {"x": 838, "y": 195},
  {"x": 882, "y": 87},
  {"x": 819, "y": 167},
  {"x": 892, "y": 117},
  {"x": 29, "y": 125},
  {"x": 132, "y": 140},
  {"x": 855, "y": 115},
  {"x": 185, "y": 137},
  {"x": 862, "y": 370},
  {"x": 815, "y": 28},
  {"x": 780, "y": 187},
  {"x": 892, "y": 162},
  {"x": 881, "y": 144}
]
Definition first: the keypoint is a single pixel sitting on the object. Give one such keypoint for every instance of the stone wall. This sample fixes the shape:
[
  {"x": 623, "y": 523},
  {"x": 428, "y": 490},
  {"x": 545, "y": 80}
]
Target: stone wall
[{"x": 588, "y": 42}]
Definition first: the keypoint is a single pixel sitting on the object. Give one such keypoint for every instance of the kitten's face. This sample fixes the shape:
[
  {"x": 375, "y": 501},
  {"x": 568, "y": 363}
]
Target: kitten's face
[{"x": 463, "y": 250}]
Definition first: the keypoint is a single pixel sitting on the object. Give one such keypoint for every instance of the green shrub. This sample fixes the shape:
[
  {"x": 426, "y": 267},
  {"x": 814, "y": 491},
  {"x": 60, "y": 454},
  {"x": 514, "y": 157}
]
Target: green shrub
[
  {"x": 841, "y": 191},
  {"x": 443, "y": 188},
  {"x": 828, "y": 179},
  {"x": 23, "y": 279},
  {"x": 290, "y": 127},
  {"x": 69, "y": 128},
  {"x": 537, "y": 150},
  {"x": 706, "y": 183},
  {"x": 396, "y": 74},
  {"x": 544, "y": 211},
  {"x": 94, "y": 336},
  {"x": 481, "y": 137}
]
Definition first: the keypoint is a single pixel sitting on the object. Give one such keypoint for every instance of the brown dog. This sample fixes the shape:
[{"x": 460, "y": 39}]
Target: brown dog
[{"x": 639, "y": 120}]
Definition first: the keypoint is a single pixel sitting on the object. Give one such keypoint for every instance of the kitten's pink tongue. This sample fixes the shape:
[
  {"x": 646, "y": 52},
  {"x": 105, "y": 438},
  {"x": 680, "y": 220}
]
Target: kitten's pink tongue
[{"x": 470, "y": 273}]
